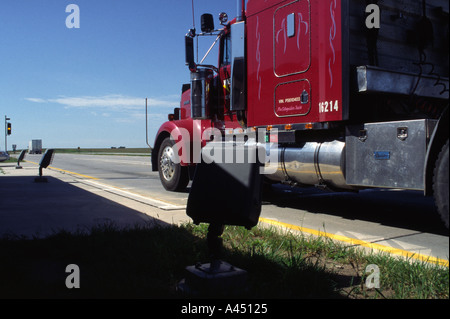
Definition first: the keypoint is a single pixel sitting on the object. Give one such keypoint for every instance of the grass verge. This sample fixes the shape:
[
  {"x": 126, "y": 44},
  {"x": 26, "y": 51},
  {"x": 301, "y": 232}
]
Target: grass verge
[{"x": 148, "y": 262}]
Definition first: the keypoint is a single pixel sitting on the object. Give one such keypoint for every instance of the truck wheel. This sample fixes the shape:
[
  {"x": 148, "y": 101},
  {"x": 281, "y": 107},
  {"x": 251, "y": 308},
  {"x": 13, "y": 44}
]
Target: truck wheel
[
  {"x": 440, "y": 184},
  {"x": 173, "y": 176}
]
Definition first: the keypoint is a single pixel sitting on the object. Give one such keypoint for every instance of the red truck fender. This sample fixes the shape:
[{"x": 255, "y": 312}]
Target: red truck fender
[{"x": 187, "y": 136}]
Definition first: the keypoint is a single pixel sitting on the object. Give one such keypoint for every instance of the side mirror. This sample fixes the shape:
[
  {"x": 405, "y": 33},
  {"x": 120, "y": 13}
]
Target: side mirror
[
  {"x": 21, "y": 156},
  {"x": 189, "y": 46},
  {"x": 44, "y": 163},
  {"x": 207, "y": 23},
  {"x": 47, "y": 158}
]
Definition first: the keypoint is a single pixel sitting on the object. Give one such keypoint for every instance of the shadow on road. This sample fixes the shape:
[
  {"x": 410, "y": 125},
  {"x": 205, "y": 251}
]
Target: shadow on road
[{"x": 35, "y": 209}]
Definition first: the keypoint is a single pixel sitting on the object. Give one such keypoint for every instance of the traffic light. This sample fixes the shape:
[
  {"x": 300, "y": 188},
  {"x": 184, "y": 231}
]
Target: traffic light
[{"x": 9, "y": 128}]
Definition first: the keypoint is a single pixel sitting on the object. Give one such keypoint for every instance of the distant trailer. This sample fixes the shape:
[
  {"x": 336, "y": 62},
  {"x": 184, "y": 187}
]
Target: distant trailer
[{"x": 35, "y": 147}]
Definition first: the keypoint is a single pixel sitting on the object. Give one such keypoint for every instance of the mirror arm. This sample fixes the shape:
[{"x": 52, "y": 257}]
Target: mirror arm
[{"x": 207, "y": 66}]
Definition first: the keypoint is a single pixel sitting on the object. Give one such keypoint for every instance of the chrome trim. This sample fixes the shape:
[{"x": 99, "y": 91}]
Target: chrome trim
[
  {"x": 238, "y": 89},
  {"x": 373, "y": 79},
  {"x": 384, "y": 160},
  {"x": 198, "y": 93}
]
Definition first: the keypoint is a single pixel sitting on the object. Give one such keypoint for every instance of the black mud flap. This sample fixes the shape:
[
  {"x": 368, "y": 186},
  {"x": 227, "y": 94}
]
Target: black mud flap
[{"x": 226, "y": 192}]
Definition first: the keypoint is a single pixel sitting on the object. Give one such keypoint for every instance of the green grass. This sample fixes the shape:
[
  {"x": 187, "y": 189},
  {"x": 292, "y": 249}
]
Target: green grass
[
  {"x": 149, "y": 262},
  {"x": 12, "y": 159}
]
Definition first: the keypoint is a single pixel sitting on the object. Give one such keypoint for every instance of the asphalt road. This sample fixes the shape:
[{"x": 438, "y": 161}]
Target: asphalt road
[
  {"x": 129, "y": 173},
  {"x": 401, "y": 220}
]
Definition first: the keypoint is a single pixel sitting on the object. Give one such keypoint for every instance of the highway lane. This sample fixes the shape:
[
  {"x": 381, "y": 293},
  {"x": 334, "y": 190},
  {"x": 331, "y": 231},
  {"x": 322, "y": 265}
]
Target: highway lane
[
  {"x": 129, "y": 173},
  {"x": 401, "y": 220}
]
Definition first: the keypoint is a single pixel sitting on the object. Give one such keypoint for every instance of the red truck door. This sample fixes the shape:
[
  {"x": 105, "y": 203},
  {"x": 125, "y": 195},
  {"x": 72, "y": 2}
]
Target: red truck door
[{"x": 294, "y": 62}]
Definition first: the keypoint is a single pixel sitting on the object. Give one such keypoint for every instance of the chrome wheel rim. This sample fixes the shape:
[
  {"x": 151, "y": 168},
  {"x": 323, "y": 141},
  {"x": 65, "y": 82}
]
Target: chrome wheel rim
[{"x": 166, "y": 163}]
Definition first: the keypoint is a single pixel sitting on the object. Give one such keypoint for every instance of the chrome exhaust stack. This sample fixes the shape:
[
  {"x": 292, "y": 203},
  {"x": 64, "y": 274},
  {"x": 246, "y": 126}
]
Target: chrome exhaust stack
[{"x": 240, "y": 4}]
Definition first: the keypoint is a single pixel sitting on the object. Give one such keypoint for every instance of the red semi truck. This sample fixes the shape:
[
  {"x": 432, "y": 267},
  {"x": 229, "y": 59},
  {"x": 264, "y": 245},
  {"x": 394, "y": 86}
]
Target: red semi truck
[{"x": 356, "y": 91}]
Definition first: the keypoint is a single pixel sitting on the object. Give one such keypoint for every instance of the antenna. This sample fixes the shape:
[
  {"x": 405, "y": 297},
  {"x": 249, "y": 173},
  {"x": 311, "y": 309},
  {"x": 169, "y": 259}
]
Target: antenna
[
  {"x": 146, "y": 123},
  {"x": 193, "y": 26},
  {"x": 193, "y": 15}
]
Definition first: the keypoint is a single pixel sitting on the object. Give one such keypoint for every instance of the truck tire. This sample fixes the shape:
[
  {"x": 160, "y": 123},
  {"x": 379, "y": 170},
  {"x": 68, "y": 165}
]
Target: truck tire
[
  {"x": 440, "y": 184},
  {"x": 173, "y": 176}
]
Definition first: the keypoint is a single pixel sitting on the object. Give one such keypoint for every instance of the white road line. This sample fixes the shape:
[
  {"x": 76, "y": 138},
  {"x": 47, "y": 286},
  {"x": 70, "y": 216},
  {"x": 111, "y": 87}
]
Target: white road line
[{"x": 143, "y": 199}]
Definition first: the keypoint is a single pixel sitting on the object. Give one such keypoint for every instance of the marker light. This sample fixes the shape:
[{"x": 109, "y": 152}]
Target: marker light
[{"x": 223, "y": 17}]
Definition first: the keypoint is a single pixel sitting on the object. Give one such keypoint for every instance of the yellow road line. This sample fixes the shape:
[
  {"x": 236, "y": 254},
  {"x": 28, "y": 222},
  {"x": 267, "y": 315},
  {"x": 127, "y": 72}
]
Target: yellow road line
[
  {"x": 357, "y": 242},
  {"x": 69, "y": 172}
]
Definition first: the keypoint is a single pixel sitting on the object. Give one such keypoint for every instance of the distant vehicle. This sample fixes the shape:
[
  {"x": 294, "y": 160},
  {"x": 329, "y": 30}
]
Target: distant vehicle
[
  {"x": 35, "y": 147},
  {"x": 4, "y": 156}
]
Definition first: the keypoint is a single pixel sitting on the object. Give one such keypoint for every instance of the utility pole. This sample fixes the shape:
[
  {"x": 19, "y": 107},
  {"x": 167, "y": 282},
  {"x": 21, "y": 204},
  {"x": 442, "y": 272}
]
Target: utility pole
[{"x": 6, "y": 133}]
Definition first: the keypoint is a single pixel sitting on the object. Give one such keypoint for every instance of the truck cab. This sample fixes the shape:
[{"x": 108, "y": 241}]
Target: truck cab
[
  {"x": 205, "y": 104},
  {"x": 349, "y": 104}
]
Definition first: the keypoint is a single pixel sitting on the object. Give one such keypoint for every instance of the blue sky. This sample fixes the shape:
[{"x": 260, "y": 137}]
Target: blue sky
[{"x": 86, "y": 87}]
